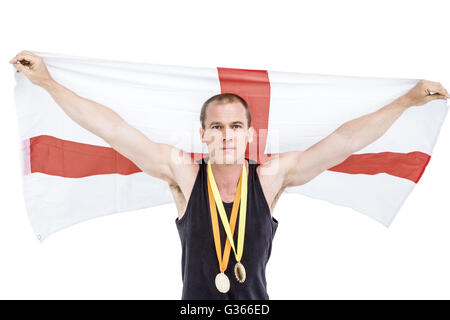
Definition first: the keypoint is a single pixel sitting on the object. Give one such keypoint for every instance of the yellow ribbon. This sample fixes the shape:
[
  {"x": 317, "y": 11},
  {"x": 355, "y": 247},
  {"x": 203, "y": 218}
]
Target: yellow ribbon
[{"x": 223, "y": 216}]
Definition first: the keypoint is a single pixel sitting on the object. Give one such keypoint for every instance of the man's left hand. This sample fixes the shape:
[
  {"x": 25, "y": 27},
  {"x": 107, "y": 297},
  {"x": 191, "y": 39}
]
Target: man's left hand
[{"x": 422, "y": 93}]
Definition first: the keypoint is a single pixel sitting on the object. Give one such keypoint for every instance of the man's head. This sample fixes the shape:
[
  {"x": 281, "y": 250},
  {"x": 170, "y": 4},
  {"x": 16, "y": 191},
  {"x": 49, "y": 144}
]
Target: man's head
[{"x": 226, "y": 120}]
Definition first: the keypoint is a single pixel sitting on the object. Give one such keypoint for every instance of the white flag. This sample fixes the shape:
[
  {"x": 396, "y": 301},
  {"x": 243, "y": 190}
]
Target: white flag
[{"x": 70, "y": 175}]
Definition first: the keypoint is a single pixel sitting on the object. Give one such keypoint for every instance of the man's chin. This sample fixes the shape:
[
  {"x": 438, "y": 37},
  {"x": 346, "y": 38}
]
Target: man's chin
[{"x": 228, "y": 158}]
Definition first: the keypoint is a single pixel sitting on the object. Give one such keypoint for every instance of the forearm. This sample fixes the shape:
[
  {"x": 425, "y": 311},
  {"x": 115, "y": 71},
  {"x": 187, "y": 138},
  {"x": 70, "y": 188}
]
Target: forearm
[
  {"x": 364, "y": 130},
  {"x": 92, "y": 116}
]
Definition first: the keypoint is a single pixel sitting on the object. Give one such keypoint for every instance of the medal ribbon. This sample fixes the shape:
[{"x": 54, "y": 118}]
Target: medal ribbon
[{"x": 239, "y": 199}]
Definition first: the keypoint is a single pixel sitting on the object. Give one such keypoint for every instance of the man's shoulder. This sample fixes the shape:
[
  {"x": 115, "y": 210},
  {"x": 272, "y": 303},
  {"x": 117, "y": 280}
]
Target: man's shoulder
[
  {"x": 184, "y": 169},
  {"x": 269, "y": 170},
  {"x": 270, "y": 166},
  {"x": 278, "y": 166},
  {"x": 271, "y": 177}
]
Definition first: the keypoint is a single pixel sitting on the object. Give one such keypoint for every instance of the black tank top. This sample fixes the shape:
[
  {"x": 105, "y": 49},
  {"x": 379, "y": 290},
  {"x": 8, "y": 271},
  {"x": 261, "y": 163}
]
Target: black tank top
[{"x": 199, "y": 264}]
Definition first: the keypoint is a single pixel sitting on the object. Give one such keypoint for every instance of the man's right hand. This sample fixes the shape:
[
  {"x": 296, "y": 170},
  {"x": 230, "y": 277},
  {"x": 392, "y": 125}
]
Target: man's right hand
[{"x": 33, "y": 67}]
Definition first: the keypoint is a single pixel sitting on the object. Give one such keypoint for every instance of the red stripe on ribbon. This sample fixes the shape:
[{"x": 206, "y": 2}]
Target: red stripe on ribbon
[{"x": 70, "y": 159}]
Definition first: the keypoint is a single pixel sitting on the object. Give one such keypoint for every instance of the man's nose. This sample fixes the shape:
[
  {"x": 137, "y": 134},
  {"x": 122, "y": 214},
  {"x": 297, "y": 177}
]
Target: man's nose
[{"x": 228, "y": 134}]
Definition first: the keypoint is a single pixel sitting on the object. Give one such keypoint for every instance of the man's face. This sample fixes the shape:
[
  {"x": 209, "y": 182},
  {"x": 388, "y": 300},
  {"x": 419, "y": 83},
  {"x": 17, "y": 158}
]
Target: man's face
[{"x": 226, "y": 132}]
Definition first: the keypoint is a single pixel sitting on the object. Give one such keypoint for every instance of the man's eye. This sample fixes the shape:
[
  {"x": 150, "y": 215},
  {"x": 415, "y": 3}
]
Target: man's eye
[{"x": 235, "y": 125}]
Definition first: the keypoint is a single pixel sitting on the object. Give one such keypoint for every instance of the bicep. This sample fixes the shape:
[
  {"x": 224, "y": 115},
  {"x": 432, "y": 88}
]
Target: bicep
[
  {"x": 151, "y": 157},
  {"x": 303, "y": 166}
]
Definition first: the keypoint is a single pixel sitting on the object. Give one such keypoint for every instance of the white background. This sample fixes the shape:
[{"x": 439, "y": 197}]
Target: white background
[{"x": 320, "y": 251}]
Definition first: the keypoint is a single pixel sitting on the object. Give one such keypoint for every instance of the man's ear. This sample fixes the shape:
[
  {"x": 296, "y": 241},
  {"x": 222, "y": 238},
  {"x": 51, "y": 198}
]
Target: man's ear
[
  {"x": 251, "y": 134},
  {"x": 202, "y": 132}
]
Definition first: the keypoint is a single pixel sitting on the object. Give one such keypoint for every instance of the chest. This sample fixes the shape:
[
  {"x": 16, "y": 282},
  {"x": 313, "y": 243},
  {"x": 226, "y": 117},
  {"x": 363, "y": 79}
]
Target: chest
[{"x": 270, "y": 190}]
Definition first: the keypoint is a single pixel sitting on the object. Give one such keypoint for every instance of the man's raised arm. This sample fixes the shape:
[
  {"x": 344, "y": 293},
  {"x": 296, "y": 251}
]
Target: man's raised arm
[
  {"x": 156, "y": 159},
  {"x": 299, "y": 167}
]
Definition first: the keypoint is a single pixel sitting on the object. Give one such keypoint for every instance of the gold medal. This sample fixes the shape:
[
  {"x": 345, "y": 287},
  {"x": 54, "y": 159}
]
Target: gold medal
[
  {"x": 239, "y": 272},
  {"x": 222, "y": 282}
]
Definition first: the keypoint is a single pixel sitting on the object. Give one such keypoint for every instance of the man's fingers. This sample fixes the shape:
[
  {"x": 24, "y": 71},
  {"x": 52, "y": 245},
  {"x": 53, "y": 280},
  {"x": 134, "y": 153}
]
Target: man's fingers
[
  {"x": 446, "y": 92},
  {"x": 23, "y": 56},
  {"x": 27, "y": 52},
  {"x": 21, "y": 68},
  {"x": 431, "y": 86},
  {"x": 435, "y": 96},
  {"x": 441, "y": 90}
]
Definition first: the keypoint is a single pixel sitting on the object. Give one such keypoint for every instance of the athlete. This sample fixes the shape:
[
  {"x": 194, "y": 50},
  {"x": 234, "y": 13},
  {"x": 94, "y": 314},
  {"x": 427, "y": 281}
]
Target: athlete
[{"x": 226, "y": 129}]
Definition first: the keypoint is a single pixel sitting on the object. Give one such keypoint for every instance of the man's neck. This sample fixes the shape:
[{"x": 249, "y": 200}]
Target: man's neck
[{"x": 227, "y": 175}]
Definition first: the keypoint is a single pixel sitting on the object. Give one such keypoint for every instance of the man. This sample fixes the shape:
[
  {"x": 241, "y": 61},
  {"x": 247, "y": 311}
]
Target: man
[{"x": 226, "y": 129}]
